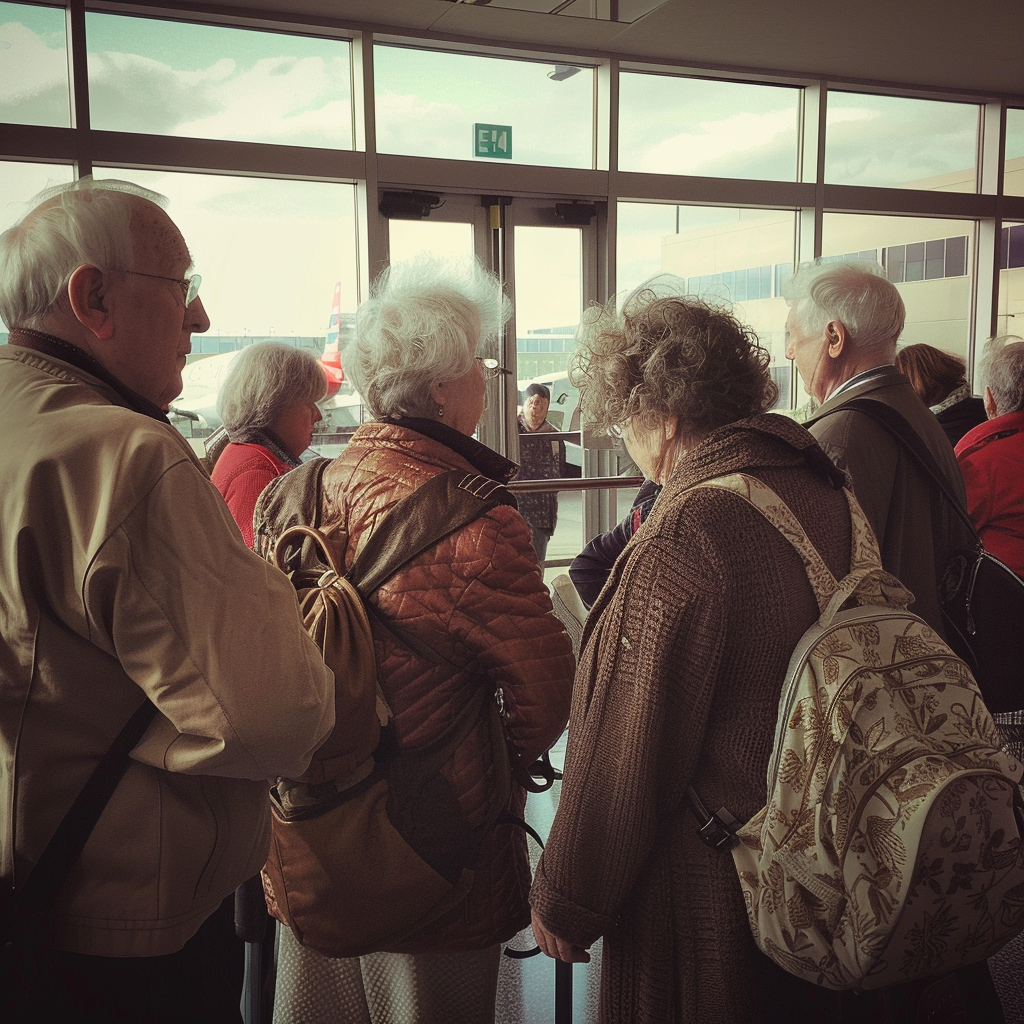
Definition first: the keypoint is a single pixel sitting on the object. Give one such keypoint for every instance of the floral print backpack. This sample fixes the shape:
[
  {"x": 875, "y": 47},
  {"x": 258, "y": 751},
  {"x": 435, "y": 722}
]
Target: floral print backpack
[{"x": 891, "y": 844}]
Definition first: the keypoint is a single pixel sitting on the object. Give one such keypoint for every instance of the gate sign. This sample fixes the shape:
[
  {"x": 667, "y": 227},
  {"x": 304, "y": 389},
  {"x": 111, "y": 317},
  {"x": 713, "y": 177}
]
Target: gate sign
[{"x": 493, "y": 140}]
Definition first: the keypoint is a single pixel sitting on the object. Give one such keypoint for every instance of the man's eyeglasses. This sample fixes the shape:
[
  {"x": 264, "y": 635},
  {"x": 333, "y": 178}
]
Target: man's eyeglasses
[
  {"x": 491, "y": 367},
  {"x": 189, "y": 285}
]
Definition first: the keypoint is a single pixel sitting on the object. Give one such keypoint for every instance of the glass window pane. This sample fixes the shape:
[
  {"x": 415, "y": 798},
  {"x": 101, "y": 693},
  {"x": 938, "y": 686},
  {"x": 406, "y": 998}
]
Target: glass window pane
[
  {"x": 409, "y": 238},
  {"x": 271, "y": 253},
  {"x": 1015, "y": 247},
  {"x": 895, "y": 262},
  {"x": 935, "y": 259},
  {"x": 956, "y": 257},
  {"x": 915, "y": 261},
  {"x": 673, "y": 125},
  {"x": 895, "y": 142},
  {"x": 1011, "y": 287},
  {"x": 34, "y": 85},
  {"x": 208, "y": 82},
  {"x": 428, "y": 101},
  {"x": 19, "y": 182},
  {"x": 712, "y": 246},
  {"x": 548, "y": 301},
  {"x": 1013, "y": 171},
  {"x": 937, "y": 307}
]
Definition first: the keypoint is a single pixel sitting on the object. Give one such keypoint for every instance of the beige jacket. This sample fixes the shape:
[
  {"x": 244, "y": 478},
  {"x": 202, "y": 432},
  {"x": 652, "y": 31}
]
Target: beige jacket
[{"x": 122, "y": 578}]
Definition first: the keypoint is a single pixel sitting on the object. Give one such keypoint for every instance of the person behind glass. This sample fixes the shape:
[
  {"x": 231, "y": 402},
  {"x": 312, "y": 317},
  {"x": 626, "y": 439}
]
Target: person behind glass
[
  {"x": 128, "y": 583},
  {"x": 539, "y": 459},
  {"x": 268, "y": 404},
  {"x": 940, "y": 381},
  {"x": 679, "y": 678},
  {"x": 476, "y": 598}
]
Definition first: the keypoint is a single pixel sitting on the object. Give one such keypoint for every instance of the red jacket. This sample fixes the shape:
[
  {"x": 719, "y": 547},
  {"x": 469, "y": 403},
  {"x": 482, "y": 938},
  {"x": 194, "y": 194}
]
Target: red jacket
[
  {"x": 991, "y": 458},
  {"x": 241, "y": 473},
  {"x": 478, "y": 599}
]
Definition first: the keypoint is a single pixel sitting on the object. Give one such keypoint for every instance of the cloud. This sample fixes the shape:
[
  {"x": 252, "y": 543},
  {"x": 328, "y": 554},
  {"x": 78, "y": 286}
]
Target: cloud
[
  {"x": 288, "y": 100},
  {"x": 33, "y": 79},
  {"x": 740, "y": 146}
]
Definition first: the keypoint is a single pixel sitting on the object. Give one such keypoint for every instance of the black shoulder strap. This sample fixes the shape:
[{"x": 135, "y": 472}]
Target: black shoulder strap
[
  {"x": 51, "y": 870},
  {"x": 442, "y": 505},
  {"x": 897, "y": 425}
]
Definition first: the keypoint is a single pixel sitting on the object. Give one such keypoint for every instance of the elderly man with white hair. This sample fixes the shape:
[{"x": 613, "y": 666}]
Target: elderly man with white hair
[
  {"x": 126, "y": 594},
  {"x": 844, "y": 321},
  {"x": 992, "y": 454}
]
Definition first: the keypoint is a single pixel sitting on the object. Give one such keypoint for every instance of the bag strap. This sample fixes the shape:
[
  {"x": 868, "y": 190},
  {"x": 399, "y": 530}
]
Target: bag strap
[
  {"x": 441, "y": 506},
  {"x": 49, "y": 873},
  {"x": 289, "y": 500},
  {"x": 865, "y": 559},
  {"x": 898, "y": 427}
]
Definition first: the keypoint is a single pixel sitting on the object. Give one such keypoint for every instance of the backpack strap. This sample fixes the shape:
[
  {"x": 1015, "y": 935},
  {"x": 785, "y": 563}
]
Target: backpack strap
[
  {"x": 443, "y": 505},
  {"x": 291, "y": 499},
  {"x": 865, "y": 559},
  {"x": 866, "y": 579}
]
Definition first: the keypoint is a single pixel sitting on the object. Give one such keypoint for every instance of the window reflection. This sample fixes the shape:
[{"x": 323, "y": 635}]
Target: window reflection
[{"x": 740, "y": 258}]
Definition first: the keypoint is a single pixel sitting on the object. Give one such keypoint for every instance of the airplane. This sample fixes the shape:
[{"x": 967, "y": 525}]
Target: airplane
[{"x": 195, "y": 409}]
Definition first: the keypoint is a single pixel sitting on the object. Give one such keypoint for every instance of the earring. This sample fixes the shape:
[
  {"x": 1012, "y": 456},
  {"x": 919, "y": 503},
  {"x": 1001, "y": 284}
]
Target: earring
[{"x": 440, "y": 412}]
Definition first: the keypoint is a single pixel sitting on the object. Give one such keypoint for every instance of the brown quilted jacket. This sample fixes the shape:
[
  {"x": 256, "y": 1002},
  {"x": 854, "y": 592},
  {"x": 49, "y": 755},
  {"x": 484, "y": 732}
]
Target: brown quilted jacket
[{"x": 477, "y": 598}]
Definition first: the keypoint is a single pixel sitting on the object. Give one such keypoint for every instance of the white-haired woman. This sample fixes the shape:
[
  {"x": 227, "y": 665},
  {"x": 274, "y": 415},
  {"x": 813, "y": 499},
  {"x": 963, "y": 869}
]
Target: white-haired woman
[
  {"x": 476, "y": 598},
  {"x": 268, "y": 404}
]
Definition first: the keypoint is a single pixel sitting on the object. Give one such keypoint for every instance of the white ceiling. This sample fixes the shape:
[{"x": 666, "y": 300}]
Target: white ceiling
[{"x": 974, "y": 45}]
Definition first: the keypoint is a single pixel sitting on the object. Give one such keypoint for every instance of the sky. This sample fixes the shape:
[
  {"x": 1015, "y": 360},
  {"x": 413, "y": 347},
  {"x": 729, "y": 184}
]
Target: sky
[{"x": 271, "y": 251}]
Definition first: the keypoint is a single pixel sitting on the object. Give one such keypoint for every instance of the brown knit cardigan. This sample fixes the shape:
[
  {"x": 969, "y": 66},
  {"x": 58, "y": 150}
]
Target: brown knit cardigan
[{"x": 679, "y": 683}]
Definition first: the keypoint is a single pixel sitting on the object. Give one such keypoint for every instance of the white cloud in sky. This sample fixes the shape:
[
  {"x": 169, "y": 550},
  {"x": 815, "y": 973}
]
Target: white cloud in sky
[
  {"x": 33, "y": 78},
  {"x": 288, "y": 100},
  {"x": 725, "y": 146}
]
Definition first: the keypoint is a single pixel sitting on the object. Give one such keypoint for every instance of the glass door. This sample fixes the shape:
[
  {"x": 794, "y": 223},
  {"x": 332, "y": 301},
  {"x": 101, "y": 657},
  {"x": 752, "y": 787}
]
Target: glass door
[{"x": 544, "y": 250}]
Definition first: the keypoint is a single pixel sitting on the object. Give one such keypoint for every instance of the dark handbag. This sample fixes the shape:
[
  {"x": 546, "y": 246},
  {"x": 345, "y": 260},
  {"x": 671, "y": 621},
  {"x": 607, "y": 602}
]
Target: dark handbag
[
  {"x": 982, "y": 599},
  {"x": 25, "y": 911}
]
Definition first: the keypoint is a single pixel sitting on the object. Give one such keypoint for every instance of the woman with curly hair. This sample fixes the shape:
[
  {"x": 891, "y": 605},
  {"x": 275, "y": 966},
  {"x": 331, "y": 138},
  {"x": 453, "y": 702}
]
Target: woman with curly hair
[{"x": 683, "y": 660}]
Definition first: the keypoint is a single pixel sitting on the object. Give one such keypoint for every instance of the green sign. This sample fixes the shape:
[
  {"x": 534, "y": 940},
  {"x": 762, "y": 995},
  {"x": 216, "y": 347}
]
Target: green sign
[{"x": 494, "y": 140}]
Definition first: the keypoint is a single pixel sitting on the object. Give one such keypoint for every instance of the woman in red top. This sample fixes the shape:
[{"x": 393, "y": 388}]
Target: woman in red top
[{"x": 268, "y": 403}]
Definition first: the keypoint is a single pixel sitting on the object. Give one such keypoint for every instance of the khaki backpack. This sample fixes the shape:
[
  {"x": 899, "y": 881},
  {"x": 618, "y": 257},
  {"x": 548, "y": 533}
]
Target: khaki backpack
[{"x": 890, "y": 847}]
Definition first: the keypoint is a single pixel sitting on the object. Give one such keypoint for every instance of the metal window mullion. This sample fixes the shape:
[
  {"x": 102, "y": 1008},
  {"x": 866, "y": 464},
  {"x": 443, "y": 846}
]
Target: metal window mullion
[
  {"x": 78, "y": 78},
  {"x": 984, "y": 276},
  {"x": 371, "y": 225}
]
